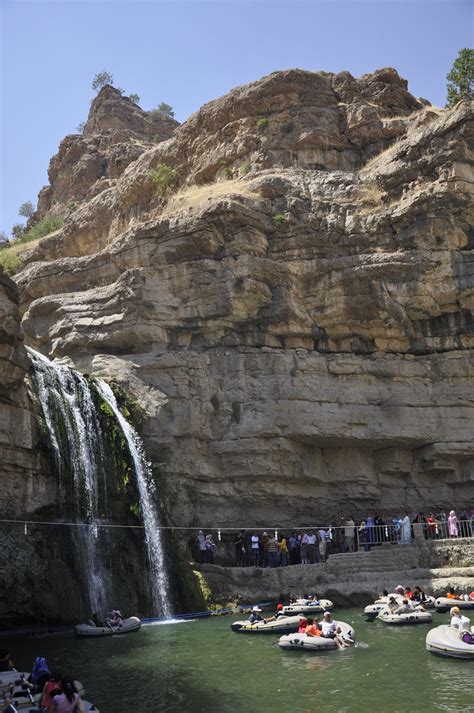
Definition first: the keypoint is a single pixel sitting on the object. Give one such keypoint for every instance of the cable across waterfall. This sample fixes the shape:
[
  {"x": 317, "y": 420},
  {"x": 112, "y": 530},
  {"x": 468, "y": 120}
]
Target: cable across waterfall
[{"x": 73, "y": 407}]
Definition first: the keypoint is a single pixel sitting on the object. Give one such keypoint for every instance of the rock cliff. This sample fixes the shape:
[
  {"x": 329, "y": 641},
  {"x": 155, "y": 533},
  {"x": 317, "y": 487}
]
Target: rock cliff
[{"x": 301, "y": 300}]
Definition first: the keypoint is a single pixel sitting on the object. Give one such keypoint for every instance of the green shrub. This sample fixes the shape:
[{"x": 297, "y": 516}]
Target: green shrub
[
  {"x": 245, "y": 168},
  {"x": 134, "y": 98},
  {"x": 278, "y": 220},
  {"x": 262, "y": 122},
  {"x": 48, "y": 224},
  {"x": 10, "y": 262},
  {"x": 163, "y": 178},
  {"x": 226, "y": 169},
  {"x": 162, "y": 111}
]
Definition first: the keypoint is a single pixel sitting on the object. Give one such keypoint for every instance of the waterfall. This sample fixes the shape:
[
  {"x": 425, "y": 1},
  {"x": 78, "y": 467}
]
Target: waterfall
[
  {"x": 76, "y": 438},
  {"x": 154, "y": 540},
  {"x": 79, "y": 448}
]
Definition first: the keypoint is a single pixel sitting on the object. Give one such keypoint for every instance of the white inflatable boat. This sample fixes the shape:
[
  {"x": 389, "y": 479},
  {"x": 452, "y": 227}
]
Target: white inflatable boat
[
  {"x": 372, "y": 610},
  {"x": 414, "y": 617},
  {"x": 133, "y": 623},
  {"x": 280, "y": 625},
  {"x": 444, "y": 640},
  {"x": 24, "y": 699},
  {"x": 308, "y": 606},
  {"x": 30, "y": 708},
  {"x": 302, "y": 642},
  {"x": 444, "y": 604}
]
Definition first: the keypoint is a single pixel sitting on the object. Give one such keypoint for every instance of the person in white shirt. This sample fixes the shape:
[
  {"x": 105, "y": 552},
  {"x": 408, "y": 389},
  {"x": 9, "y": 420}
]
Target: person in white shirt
[
  {"x": 322, "y": 544},
  {"x": 255, "y": 540},
  {"x": 462, "y": 624},
  {"x": 330, "y": 630},
  {"x": 406, "y": 607}
]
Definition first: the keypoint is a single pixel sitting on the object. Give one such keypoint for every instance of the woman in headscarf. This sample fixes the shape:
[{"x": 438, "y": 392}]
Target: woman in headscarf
[
  {"x": 453, "y": 524},
  {"x": 40, "y": 673}
]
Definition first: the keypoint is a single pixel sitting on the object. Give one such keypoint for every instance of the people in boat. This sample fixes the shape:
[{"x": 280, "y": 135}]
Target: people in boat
[
  {"x": 462, "y": 624},
  {"x": 408, "y": 593},
  {"x": 50, "y": 689},
  {"x": 405, "y": 608},
  {"x": 6, "y": 664},
  {"x": 8, "y": 705},
  {"x": 115, "y": 619},
  {"x": 313, "y": 628},
  {"x": 418, "y": 595},
  {"x": 451, "y": 594},
  {"x": 384, "y": 594},
  {"x": 69, "y": 700},
  {"x": 96, "y": 620},
  {"x": 392, "y": 604},
  {"x": 255, "y": 615},
  {"x": 330, "y": 630},
  {"x": 302, "y": 625},
  {"x": 400, "y": 590}
]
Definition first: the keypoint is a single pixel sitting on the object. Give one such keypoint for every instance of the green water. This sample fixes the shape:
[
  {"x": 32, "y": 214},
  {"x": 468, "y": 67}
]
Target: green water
[{"x": 201, "y": 666}]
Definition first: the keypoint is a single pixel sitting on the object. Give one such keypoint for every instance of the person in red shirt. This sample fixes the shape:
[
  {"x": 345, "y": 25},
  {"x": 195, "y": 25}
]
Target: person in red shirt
[
  {"x": 408, "y": 593},
  {"x": 303, "y": 625}
]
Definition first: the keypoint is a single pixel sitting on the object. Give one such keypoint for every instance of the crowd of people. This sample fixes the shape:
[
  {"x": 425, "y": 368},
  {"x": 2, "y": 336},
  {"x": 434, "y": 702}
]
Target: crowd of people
[
  {"x": 313, "y": 545},
  {"x": 58, "y": 693}
]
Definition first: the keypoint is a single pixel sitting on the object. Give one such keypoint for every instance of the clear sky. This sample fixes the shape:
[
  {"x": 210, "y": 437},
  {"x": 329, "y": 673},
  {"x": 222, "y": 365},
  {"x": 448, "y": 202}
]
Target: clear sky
[{"x": 188, "y": 52}]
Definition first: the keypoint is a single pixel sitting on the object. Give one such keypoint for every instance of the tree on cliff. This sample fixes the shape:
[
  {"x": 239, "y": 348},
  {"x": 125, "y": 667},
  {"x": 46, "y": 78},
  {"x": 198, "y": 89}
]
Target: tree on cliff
[
  {"x": 101, "y": 79},
  {"x": 163, "y": 111},
  {"x": 461, "y": 78},
  {"x": 26, "y": 210}
]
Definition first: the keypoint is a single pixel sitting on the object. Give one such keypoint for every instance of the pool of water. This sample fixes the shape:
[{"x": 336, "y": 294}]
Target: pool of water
[{"x": 202, "y": 666}]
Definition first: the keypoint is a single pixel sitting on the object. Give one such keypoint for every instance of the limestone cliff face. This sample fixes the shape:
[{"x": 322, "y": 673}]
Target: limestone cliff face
[{"x": 302, "y": 304}]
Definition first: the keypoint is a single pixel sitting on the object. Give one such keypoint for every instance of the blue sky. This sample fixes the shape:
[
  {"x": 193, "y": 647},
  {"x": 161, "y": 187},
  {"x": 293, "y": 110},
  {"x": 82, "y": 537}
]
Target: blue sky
[{"x": 188, "y": 52}]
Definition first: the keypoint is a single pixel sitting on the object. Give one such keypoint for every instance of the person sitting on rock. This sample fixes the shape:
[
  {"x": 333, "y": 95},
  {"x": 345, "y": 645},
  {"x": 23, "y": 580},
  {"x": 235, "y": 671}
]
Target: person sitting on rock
[
  {"x": 330, "y": 630},
  {"x": 451, "y": 594},
  {"x": 405, "y": 608},
  {"x": 313, "y": 628},
  {"x": 462, "y": 624}
]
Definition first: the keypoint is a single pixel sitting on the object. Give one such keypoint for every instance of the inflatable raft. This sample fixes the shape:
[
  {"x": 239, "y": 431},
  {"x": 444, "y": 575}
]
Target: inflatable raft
[
  {"x": 444, "y": 640},
  {"x": 24, "y": 699},
  {"x": 308, "y": 606},
  {"x": 372, "y": 610},
  {"x": 302, "y": 642},
  {"x": 414, "y": 617},
  {"x": 281, "y": 625},
  {"x": 443, "y": 604},
  {"x": 133, "y": 623}
]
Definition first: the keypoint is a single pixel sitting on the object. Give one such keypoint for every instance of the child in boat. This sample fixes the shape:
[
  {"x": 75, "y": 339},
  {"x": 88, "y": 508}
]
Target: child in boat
[
  {"x": 313, "y": 628},
  {"x": 405, "y": 608},
  {"x": 451, "y": 594},
  {"x": 69, "y": 700}
]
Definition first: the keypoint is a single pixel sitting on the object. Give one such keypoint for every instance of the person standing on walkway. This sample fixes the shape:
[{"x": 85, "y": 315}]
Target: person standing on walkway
[
  {"x": 304, "y": 548},
  {"x": 255, "y": 541},
  {"x": 453, "y": 524},
  {"x": 312, "y": 539},
  {"x": 405, "y": 530},
  {"x": 349, "y": 533}
]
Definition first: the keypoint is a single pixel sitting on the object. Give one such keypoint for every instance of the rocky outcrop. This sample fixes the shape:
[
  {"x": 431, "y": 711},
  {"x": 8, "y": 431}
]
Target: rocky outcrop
[
  {"x": 301, "y": 305},
  {"x": 348, "y": 579},
  {"x": 116, "y": 133}
]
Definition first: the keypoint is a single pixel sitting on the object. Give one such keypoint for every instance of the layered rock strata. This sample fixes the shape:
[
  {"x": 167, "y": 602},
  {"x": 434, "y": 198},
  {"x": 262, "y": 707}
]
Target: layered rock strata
[{"x": 300, "y": 304}]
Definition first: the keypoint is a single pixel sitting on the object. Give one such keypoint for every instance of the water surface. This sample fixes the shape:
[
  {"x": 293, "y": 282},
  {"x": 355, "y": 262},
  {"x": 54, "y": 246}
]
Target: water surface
[{"x": 203, "y": 667}]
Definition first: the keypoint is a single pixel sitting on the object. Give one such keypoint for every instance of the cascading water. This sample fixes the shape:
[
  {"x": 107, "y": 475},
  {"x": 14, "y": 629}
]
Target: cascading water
[
  {"x": 160, "y": 582},
  {"x": 79, "y": 447},
  {"x": 76, "y": 438}
]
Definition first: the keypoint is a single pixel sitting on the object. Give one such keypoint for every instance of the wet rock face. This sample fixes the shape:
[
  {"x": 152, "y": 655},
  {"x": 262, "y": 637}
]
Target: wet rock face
[{"x": 307, "y": 325}]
